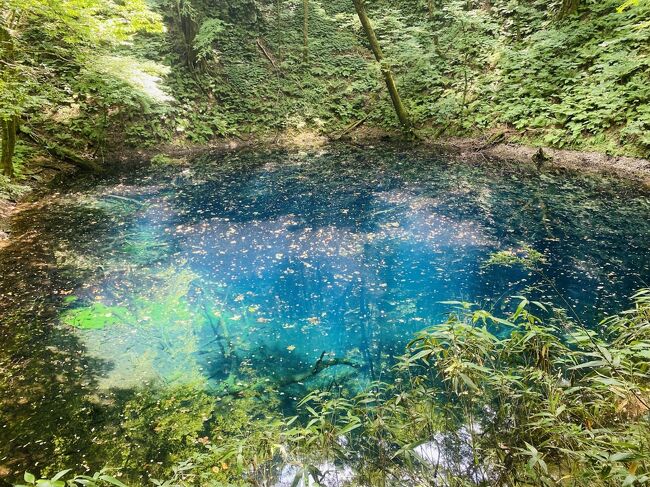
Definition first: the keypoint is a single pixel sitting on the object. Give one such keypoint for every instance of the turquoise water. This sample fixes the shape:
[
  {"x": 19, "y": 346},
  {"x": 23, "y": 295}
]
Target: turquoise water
[{"x": 252, "y": 268}]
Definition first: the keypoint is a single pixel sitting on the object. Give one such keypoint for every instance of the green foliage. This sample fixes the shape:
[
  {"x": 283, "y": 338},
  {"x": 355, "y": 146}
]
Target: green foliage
[
  {"x": 98, "y": 479},
  {"x": 163, "y": 161},
  {"x": 463, "y": 68},
  {"x": 627, "y": 4},
  {"x": 524, "y": 256},
  {"x": 596, "y": 90},
  {"x": 476, "y": 400},
  {"x": 542, "y": 404},
  {"x": 208, "y": 34},
  {"x": 162, "y": 426},
  {"x": 53, "y": 47}
]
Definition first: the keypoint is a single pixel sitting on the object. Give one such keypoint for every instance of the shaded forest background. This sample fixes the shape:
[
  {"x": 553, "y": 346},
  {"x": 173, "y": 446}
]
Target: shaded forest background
[{"x": 565, "y": 74}]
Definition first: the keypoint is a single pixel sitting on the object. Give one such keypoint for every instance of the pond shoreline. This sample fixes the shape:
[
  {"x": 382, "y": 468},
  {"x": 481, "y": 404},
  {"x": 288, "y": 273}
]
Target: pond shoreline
[
  {"x": 474, "y": 150},
  {"x": 471, "y": 149},
  {"x": 636, "y": 169}
]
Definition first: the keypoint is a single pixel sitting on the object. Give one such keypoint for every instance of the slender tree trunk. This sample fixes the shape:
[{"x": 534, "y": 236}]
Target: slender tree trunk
[
  {"x": 7, "y": 165},
  {"x": 13, "y": 129},
  {"x": 569, "y": 7},
  {"x": 400, "y": 110},
  {"x": 188, "y": 29},
  {"x": 9, "y": 127},
  {"x": 305, "y": 30},
  {"x": 10, "y": 123}
]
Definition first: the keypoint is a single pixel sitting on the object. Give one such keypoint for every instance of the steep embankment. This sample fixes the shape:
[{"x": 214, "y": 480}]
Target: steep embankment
[{"x": 463, "y": 68}]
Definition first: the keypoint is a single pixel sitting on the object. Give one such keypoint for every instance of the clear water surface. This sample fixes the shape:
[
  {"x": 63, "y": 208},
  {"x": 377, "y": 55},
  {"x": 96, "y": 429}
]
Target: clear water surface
[{"x": 253, "y": 266}]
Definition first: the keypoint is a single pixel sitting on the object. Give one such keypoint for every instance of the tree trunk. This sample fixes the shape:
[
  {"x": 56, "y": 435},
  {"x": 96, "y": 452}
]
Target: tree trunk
[
  {"x": 188, "y": 29},
  {"x": 8, "y": 148},
  {"x": 305, "y": 30},
  {"x": 569, "y": 7},
  {"x": 10, "y": 123},
  {"x": 7, "y": 153},
  {"x": 400, "y": 110}
]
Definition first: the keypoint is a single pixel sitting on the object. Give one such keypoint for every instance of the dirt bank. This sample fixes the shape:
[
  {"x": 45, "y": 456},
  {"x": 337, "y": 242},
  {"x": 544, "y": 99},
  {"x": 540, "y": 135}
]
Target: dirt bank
[
  {"x": 495, "y": 146},
  {"x": 36, "y": 177},
  {"x": 595, "y": 162},
  {"x": 469, "y": 148}
]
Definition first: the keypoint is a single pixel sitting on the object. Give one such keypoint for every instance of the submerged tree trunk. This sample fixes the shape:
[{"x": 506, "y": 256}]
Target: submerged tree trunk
[
  {"x": 10, "y": 122},
  {"x": 400, "y": 110}
]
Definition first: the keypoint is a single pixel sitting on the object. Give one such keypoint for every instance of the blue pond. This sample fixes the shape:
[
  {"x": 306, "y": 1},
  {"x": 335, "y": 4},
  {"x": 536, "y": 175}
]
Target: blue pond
[
  {"x": 266, "y": 275},
  {"x": 254, "y": 266}
]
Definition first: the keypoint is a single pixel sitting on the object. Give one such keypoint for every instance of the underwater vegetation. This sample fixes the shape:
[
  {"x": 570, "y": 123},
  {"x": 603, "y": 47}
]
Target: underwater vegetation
[
  {"x": 95, "y": 316},
  {"x": 250, "y": 320}
]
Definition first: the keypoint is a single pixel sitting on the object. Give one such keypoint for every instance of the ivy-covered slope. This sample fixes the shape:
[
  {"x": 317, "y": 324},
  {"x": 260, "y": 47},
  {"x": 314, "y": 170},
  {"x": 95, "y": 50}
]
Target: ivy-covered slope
[
  {"x": 463, "y": 67},
  {"x": 241, "y": 67}
]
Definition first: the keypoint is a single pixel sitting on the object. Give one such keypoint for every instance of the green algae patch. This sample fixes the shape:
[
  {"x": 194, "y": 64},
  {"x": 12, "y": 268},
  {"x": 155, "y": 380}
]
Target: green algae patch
[
  {"x": 164, "y": 305},
  {"x": 94, "y": 317}
]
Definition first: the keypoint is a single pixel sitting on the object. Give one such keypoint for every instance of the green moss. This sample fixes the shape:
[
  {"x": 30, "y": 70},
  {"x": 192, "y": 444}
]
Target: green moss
[
  {"x": 95, "y": 316},
  {"x": 167, "y": 301}
]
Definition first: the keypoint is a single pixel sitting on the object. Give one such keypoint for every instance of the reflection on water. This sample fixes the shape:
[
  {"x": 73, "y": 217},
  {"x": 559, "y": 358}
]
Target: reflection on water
[{"x": 301, "y": 269}]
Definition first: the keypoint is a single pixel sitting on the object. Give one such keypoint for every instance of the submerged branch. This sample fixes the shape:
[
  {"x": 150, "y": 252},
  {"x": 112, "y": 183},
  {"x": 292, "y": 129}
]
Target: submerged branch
[{"x": 321, "y": 364}]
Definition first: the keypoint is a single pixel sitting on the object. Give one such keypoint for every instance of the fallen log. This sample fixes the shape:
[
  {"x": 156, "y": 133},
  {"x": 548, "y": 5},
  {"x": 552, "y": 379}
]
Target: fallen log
[
  {"x": 266, "y": 53},
  {"x": 349, "y": 128},
  {"x": 68, "y": 156},
  {"x": 62, "y": 153}
]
